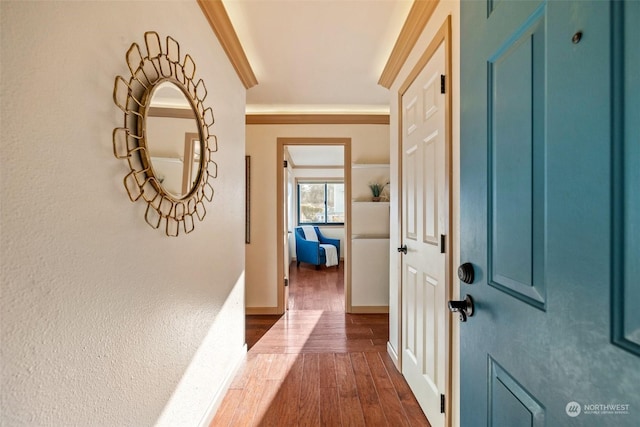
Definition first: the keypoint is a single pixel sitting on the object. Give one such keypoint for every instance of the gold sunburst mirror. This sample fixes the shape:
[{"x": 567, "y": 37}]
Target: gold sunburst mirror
[{"x": 166, "y": 138}]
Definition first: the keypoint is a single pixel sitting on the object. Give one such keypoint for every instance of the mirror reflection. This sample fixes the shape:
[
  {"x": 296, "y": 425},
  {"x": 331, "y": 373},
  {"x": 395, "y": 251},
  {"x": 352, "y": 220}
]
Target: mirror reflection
[{"x": 173, "y": 140}]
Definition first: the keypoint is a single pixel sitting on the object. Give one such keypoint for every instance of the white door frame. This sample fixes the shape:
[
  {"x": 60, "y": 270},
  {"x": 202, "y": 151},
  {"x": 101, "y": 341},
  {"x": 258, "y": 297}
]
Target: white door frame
[
  {"x": 443, "y": 35},
  {"x": 346, "y": 144}
]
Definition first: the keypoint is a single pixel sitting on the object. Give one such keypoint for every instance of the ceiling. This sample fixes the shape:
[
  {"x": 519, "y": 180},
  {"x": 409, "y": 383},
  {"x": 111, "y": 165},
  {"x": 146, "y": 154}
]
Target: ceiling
[
  {"x": 316, "y": 155},
  {"x": 320, "y": 56}
]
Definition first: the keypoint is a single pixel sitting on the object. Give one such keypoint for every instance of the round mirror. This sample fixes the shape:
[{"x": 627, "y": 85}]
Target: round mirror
[
  {"x": 172, "y": 138},
  {"x": 166, "y": 140}
]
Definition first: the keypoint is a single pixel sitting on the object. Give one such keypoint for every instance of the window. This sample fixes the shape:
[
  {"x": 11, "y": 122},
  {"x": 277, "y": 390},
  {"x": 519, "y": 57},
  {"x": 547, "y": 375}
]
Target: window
[{"x": 320, "y": 202}]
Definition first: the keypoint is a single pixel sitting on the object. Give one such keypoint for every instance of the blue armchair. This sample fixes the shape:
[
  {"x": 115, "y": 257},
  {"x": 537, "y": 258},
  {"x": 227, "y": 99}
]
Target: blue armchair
[{"x": 310, "y": 251}]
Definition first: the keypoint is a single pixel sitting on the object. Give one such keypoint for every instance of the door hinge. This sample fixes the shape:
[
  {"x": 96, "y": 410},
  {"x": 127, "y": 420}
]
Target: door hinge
[
  {"x": 443, "y": 240},
  {"x": 442, "y": 401},
  {"x": 285, "y": 164},
  {"x": 442, "y": 83},
  {"x": 286, "y": 282}
]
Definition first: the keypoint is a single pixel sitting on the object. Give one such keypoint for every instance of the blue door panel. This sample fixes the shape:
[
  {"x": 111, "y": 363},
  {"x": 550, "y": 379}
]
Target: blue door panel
[
  {"x": 627, "y": 326},
  {"x": 507, "y": 410},
  {"x": 509, "y": 403},
  {"x": 516, "y": 108},
  {"x": 550, "y": 205}
]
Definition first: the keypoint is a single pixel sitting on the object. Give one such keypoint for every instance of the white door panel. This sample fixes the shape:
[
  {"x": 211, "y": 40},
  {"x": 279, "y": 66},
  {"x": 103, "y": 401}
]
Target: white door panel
[{"x": 424, "y": 287}]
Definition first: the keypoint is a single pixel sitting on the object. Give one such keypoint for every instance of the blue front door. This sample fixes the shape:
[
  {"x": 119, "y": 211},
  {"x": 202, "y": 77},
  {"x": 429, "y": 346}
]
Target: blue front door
[{"x": 550, "y": 213}]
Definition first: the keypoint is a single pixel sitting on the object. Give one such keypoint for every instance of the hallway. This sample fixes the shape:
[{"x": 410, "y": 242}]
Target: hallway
[{"x": 318, "y": 366}]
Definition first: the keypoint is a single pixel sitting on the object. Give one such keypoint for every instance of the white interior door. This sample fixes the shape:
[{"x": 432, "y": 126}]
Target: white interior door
[
  {"x": 285, "y": 235},
  {"x": 425, "y": 214}
]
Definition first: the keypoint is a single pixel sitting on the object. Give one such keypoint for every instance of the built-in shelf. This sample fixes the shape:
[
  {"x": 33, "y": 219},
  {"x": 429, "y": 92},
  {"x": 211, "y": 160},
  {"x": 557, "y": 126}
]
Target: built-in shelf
[
  {"x": 365, "y": 174},
  {"x": 369, "y": 237},
  {"x": 369, "y": 201}
]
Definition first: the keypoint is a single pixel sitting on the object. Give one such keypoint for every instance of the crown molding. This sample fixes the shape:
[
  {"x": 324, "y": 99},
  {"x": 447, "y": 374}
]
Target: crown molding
[
  {"x": 417, "y": 19},
  {"x": 317, "y": 119},
  {"x": 219, "y": 20}
]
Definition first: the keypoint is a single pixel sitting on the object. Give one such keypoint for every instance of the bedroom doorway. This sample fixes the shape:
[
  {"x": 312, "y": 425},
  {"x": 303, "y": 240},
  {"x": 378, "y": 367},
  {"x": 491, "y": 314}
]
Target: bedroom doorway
[{"x": 313, "y": 185}]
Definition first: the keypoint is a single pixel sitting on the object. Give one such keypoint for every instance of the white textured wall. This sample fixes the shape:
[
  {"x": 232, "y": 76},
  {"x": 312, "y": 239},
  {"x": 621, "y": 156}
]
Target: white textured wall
[
  {"x": 444, "y": 9},
  {"x": 105, "y": 321},
  {"x": 369, "y": 144}
]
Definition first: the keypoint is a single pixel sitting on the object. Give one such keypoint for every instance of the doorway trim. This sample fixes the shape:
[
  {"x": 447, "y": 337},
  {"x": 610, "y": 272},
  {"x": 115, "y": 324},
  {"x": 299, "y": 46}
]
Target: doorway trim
[
  {"x": 346, "y": 144},
  {"x": 443, "y": 35}
]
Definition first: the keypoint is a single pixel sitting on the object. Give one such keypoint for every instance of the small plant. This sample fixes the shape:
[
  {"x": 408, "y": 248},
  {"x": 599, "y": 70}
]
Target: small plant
[{"x": 376, "y": 188}]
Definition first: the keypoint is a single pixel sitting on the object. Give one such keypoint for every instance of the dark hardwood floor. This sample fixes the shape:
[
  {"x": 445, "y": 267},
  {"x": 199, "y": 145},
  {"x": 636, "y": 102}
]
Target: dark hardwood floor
[
  {"x": 311, "y": 289},
  {"x": 317, "y": 365}
]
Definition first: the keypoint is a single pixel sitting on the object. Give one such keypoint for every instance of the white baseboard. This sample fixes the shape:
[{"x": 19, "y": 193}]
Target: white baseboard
[
  {"x": 369, "y": 309},
  {"x": 394, "y": 356},
  {"x": 222, "y": 391}
]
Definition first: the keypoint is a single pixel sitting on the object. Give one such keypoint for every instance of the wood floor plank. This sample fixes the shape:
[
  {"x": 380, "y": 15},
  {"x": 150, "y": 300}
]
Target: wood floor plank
[
  {"x": 309, "y": 403},
  {"x": 280, "y": 366},
  {"x": 272, "y": 416},
  {"x": 292, "y": 385},
  {"x": 409, "y": 403},
  {"x": 367, "y": 393},
  {"x": 250, "y": 400},
  {"x": 393, "y": 410},
  {"x": 330, "y": 407},
  {"x": 227, "y": 408},
  {"x": 329, "y": 399},
  {"x": 311, "y": 289},
  {"x": 244, "y": 372},
  {"x": 350, "y": 409},
  {"x": 328, "y": 370},
  {"x": 255, "y": 377},
  {"x": 378, "y": 341},
  {"x": 268, "y": 395}
]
